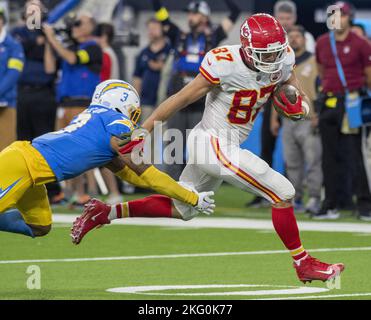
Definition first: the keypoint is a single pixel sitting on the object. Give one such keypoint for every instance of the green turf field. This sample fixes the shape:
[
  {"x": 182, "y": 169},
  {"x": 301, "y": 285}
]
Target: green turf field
[{"x": 210, "y": 263}]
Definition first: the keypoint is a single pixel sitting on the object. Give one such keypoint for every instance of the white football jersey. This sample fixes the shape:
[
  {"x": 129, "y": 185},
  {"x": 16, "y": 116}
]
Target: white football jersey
[{"x": 234, "y": 103}]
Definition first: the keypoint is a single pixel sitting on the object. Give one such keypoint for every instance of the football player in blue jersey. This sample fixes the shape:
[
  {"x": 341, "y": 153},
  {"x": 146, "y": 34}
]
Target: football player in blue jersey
[{"x": 93, "y": 139}]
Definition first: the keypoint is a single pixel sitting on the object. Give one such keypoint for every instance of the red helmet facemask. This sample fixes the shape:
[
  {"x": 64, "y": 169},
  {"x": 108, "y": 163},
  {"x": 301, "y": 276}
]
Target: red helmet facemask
[{"x": 264, "y": 42}]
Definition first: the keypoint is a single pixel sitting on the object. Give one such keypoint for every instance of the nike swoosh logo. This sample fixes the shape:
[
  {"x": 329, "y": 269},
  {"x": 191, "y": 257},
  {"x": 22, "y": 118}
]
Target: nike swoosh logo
[
  {"x": 208, "y": 61},
  {"x": 94, "y": 217},
  {"x": 329, "y": 272},
  {"x": 4, "y": 192}
]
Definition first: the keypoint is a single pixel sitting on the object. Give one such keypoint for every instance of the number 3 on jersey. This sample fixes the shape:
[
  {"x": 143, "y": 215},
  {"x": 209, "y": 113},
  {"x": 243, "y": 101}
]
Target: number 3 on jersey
[{"x": 242, "y": 112}]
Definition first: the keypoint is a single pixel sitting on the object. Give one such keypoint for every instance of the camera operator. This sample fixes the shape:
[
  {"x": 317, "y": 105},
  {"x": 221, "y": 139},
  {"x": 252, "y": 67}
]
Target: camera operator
[
  {"x": 81, "y": 68},
  {"x": 37, "y": 105}
]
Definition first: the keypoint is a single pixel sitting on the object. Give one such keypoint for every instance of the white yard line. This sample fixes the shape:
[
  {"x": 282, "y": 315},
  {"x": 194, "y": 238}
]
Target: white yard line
[
  {"x": 175, "y": 256},
  {"x": 230, "y": 223},
  {"x": 321, "y": 297}
]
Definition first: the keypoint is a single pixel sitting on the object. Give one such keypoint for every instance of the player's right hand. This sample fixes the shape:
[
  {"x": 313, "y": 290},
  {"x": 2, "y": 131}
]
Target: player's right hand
[{"x": 206, "y": 203}]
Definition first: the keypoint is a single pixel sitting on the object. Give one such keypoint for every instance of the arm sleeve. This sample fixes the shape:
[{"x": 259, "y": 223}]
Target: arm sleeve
[
  {"x": 209, "y": 68},
  {"x": 130, "y": 176},
  {"x": 14, "y": 69},
  {"x": 160, "y": 182},
  {"x": 165, "y": 185}
]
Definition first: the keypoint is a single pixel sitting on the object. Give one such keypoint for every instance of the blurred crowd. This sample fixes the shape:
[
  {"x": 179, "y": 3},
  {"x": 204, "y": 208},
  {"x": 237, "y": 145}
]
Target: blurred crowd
[{"x": 48, "y": 76}]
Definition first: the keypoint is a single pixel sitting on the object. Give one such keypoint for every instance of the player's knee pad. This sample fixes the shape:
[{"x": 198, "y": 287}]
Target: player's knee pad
[
  {"x": 258, "y": 167},
  {"x": 287, "y": 190}
]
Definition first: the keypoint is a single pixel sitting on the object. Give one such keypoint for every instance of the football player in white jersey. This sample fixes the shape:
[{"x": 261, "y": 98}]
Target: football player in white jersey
[{"x": 238, "y": 80}]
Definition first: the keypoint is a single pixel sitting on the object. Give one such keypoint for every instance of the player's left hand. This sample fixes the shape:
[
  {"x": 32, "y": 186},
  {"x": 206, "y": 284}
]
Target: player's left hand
[{"x": 206, "y": 203}]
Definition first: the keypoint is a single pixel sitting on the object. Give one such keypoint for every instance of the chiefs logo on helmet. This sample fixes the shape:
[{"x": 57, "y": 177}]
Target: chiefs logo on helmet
[{"x": 245, "y": 30}]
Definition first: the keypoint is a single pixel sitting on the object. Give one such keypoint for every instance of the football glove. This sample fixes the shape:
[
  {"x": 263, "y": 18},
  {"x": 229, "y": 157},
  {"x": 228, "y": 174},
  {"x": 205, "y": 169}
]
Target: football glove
[
  {"x": 295, "y": 111},
  {"x": 206, "y": 203}
]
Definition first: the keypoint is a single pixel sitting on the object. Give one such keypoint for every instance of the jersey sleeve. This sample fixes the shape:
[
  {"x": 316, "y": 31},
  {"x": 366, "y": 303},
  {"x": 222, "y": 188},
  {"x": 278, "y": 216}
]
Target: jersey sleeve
[
  {"x": 209, "y": 69},
  {"x": 119, "y": 126},
  {"x": 288, "y": 65},
  {"x": 17, "y": 58}
]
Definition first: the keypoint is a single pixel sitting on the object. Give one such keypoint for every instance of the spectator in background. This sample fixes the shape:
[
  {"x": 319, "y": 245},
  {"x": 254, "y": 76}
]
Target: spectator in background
[
  {"x": 190, "y": 48},
  {"x": 149, "y": 64},
  {"x": 104, "y": 34},
  {"x": 148, "y": 70},
  {"x": 81, "y": 69},
  {"x": 37, "y": 105},
  {"x": 359, "y": 30},
  {"x": 11, "y": 67},
  {"x": 301, "y": 141},
  {"x": 285, "y": 13},
  {"x": 338, "y": 139}
]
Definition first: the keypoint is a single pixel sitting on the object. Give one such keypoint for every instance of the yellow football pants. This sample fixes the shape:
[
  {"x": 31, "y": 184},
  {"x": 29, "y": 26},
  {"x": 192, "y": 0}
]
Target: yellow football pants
[{"x": 23, "y": 174}]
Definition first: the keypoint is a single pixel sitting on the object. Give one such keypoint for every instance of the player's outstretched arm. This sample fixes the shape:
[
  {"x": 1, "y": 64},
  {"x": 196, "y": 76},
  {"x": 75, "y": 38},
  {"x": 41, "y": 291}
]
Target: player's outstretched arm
[
  {"x": 192, "y": 92},
  {"x": 148, "y": 176}
]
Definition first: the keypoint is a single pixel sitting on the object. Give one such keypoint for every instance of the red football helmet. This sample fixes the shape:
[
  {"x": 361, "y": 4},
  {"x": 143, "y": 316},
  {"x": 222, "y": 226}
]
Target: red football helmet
[{"x": 264, "y": 42}]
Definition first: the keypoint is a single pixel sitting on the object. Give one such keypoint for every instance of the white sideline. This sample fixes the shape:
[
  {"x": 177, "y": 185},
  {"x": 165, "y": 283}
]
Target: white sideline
[
  {"x": 230, "y": 223},
  {"x": 175, "y": 256}
]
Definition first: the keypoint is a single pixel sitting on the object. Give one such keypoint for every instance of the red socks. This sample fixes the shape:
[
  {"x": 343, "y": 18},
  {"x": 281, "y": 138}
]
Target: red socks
[
  {"x": 284, "y": 223},
  {"x": 156, "y": 206}
]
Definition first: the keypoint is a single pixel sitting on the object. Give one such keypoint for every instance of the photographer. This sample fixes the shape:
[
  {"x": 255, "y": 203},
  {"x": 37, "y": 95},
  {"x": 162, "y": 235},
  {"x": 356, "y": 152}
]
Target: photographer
[
  {"x": 37, "y": 105},
  {"x": 81, "y": 68}
]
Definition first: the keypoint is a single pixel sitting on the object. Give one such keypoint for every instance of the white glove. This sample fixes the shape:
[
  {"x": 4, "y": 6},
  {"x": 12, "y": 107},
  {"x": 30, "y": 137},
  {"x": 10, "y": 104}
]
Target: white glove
[{"x": 206, "y": 203}]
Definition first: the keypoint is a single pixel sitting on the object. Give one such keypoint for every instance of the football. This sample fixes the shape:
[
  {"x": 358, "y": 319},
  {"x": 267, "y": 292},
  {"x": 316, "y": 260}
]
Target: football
[{"x": 287, "y": 90}]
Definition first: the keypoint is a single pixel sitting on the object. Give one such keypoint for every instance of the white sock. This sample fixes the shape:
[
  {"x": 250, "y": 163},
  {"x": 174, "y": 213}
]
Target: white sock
[{"x": 119, "y": 211}]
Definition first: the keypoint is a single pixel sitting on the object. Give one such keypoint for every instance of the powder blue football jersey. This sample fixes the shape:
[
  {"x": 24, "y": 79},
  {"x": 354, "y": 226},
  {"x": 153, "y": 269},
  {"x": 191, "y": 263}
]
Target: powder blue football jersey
[{"x": 85, "y": 143}]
